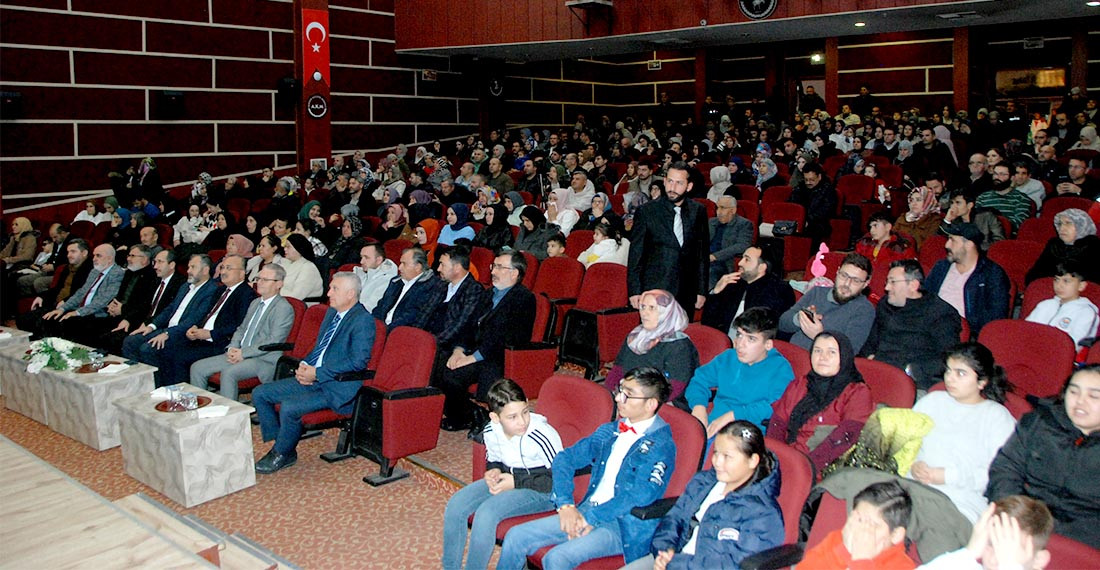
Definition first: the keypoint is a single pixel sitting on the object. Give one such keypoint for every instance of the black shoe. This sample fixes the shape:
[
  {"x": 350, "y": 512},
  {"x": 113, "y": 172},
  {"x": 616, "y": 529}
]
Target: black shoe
[
  {"x": 478, "y": 423},
  {"x": 254, "y": 418},
  {"x": 454, "y": 425},
  {"x": 273, "y": 462}
]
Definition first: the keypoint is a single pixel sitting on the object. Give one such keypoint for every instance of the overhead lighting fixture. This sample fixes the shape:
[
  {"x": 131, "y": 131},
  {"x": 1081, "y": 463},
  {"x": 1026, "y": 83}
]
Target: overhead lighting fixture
[
  {"x": 1092, "y": 4},
  {"x": 860, "y": 24},
  {"x": 817, "y": 58}
]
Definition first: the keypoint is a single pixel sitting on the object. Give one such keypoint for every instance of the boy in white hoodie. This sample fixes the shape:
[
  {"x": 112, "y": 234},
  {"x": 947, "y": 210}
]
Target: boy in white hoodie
[
  {"x": 520, "y": 447},
  {"x": 1068, "y": 311}
]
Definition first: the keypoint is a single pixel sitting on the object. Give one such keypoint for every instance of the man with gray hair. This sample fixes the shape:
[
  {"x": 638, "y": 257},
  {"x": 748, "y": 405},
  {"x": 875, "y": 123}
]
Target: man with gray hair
[
  {"x": 326, "y": 378},
  {"x": 91, "y": 299},
  {"x": 730, "y": 235},
  {"x": 132, "y": 300},
  {"x": 268, "y": 320},
  {"x": 413, "y": 296}
]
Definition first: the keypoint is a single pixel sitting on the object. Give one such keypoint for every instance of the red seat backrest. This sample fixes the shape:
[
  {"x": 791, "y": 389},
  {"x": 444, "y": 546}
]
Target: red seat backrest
[
  {"x": 1067, "y": 553},
  {"x": 785, "y": 211},
  {"x": 408, "y": 362},
  {"x": 749, "y": 192},
  {"x": 578, "y": 241},
  {"x": 574, "y": 406},
  {"x": 1053, "y": 206},
  {"x": 482, "y": 258},
  {"x": 931, "y": 251},
  {"x": 379, "y": 346},
  {"x": 394, "y": 247},
  {"x": 308, "y": 331},
  {"x": 1037, "y": 229},
  {"x": 1016, "y": 258},
  {"x": 164, "y": 235},
  {"x": 691, "y": 441},
  {"x": 797, "y": 476},
  {"x": 603, "y": 287},
  {"x": 832, "y": 263},
  {"x": 891, "y": 175},
  {"x": 1016, "y": 404},
  {"x": 833, "y": 164},
  {"x": 1013, "y": 343},
  {"x": 216, "y": 255},
  {"x": 889, "y": 385},
  {"x": 1043, "y": 288},
  {"x": 82, "y": 229},
  {"x": 617, "y": 203},
  {"x": 712, "y": 208},
  {"x": 532, "y": 270},
  {"x": 559, "y": 277},
  {"x": 775, "y": 194},
  {"x": 542, "y": 318},
  {"x": 798, "y": 357},
  {"x": 299, "y": 312},
  {"x": 749, "y": 210},
  {"x": 708, "y": 341},
  {"x": 855, "y": 188}
]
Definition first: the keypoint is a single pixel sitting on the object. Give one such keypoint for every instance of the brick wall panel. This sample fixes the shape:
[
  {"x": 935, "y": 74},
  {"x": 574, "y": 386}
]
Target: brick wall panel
[
  {"x": 361, "y": 24},
  {"x": 282, "y": 45},
  {"x": 355, "y": 52},
  {"x": 370, "y": 136},
  {"x": 35, "y": 139},
  {"x": 351, "y": 109},
  {"x": 119, "y": 69},
  {"x": 384, "y": 54},
  {"x": 22, "y": 27},
  {"x": 536, "y": 113},
  {"x": 393, "y": 109},
  {"x": 372, "y": 81},
  {"x": 562, "y": 91},
  {"x": 203, "y": 40},
  {"x": 80, "y": 103},
  {"x": 941, "y": 79},
  {"x": 904, "y": 81},
  {"x": 34, "y": 65},
  {"x": 902, "y": 55},
  {"x": 145, "y": 140},
  {"x": 47, "y": 4},
  {"x": 632, "y": 94},
  {"x": 382, "y": 5},
  {"x": 250, "y": 138},
  {"x": 276, "y": 15},
  {"x": 251, "y": 74},
  {"x": 220, "y": 105},
  {"x": 450, "y": 85},
  {"x": 467, "y": 111},
  {"x": 189, "y": 11}
]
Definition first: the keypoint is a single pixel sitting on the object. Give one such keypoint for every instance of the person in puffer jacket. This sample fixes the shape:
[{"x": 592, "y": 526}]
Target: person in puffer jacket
[{"x": 728, "y": 512}]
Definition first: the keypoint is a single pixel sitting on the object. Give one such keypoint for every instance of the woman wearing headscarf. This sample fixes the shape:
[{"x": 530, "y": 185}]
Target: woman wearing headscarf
[
  {"x": 943, "y": 134},
  {"x": 268, "y": 250},
  {"x": 91, "y": 213},
  {"x": 396, "y": 225},
  {"x": 534, "y": 233},
  {"x": 218, "y": 237},
  {"x": 303, "y": 279},
  {"x": 739, "y": 174},
  {"x": 599, "y": 213},
  {"x": 719, "y": 182},
  {"x": 1076, "y": 243},
  {"x": 497, "y": 232},
  {"x": 427, "y": 237},
  {"x": 237, "y": 244},
  {"x": 120, "y": 226},
  {"x": 421, "y": 207},
  {"x": 388, "y": 199},
  {"x": 1088, "y": 140},
  {"x": 148, "y": 181},
  {"x": 253, "y": 223},
  {"x": 659, "y": 341},
  {"x": 513, "y": 203},
  {"x": 486, "y": 196},
  {"x": 559, "y": 212},
  {"x": 285, "y": 201},
  {"x": 346, "y": 247},
  {"x": 766, "y": 171},
  {"x": 19, "y": 251},
  {"x": 822, "y": 413},
  {"x": 458, "y": 226},
  {"x": 923, "y": 218},
  {"x": 307, "y": 213}
]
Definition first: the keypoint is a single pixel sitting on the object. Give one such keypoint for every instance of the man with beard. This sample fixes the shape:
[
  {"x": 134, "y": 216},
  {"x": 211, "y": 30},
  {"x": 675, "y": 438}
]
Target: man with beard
[
  {"x": 1008, "y": 201},
  {"x": 670, "y": 245},
  {"x": 975, "y": 286},
  {"x": 912, "y": 329},
  {"x": 1048, "y": 168},
  {"x": 754, "y": 284},
  {"x": 980, "y": 181},
  {"x": 817, "y": 196},
  {"x": 91, "y": 299},
  {"x": 131, "y": 301},
  {"x": 842, "y": 308}
]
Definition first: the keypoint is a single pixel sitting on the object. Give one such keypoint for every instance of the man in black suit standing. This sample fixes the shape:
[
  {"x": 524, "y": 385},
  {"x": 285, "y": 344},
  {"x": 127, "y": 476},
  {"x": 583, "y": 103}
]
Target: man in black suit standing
[
  {"x": 670, "y": 245},
  {"x": 212, "y": 333},
  {"x": 509, "y": 316}
]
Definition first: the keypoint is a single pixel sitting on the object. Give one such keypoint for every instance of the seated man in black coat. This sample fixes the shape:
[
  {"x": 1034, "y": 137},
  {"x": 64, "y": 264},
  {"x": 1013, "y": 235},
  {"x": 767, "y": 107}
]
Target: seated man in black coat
[
  {"x": 754, "y": 284},
  {"x": 507, "y": 321},
  {"x": 413, "y": 295}
]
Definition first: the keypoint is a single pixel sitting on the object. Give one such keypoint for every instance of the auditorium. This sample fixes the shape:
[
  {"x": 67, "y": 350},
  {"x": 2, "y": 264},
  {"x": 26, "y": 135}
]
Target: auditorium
[{"x": 550, "y": 284}]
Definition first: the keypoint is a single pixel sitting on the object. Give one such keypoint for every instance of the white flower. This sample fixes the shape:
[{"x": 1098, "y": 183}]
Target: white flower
[{"x": 38, "y": 362}]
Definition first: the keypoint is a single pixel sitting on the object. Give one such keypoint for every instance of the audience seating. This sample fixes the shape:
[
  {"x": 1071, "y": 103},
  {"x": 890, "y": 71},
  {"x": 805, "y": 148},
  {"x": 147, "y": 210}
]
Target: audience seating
[
  {"x": 712, "y": 207},
  {"x": 798, "y": 357},
  {"x": 1016, "y": 257},
  {"x": 890, "y": 386},
  {"x": 1042, "y": 289},
  {"x": 931, "y": 251},
  {"x": 24, "y": 305},
  {"x": 1053, "y": 206},
  {"x": 830, "y": 260},
  {"x": 775, "y": 194},
  {"x": 891, "y": 175},
  {"x": 708, "y": 341},
  {"x": 796, "y": 248},
  {"x": 1016, "y": 404},
  {"x": 397, "y": 413},
  {"x": 530, "y": 365},
  {"x": 1037, "y": 229},
  {"x": 560, "y": 279},
  {"x": 165, "y": 233},
  {"x": 99, "y": 235},
  {"x": 1066, "y": 553},
  {"x": 394, "y": 247},
  {"x": 1038, "y": 373},
  {"x": 750, "y": 210},
  {"x": 482, "y": 258},
  {"x": 216, "y": 255},
  {"x": 577, "y": 242},
  {"x": 247, "y": 385},
  {"x": 748, "y": 192},
  {"x": 617, "y": 203},
  {"x": 595, "y": 328},
  {"x": 239, "y": 208},
  {"x": 532, "y": 270},
  {"x": 82, "y": 229},
  {"x": 833, "y": 164}
]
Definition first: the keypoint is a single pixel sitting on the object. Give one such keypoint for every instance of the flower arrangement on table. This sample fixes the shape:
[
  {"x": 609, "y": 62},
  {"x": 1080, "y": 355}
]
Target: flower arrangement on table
[{"x": 56, "y": 354}]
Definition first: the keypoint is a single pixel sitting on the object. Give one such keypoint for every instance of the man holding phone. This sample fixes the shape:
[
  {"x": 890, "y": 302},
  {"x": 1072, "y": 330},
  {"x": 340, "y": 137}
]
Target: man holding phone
[{"x": 842, "y": 308}]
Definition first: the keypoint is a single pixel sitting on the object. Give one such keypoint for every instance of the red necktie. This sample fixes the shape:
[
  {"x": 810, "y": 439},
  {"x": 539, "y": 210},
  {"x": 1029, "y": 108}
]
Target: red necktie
[
  {"x": 623, "y": 428},
  {"x": 156, "y": 300},
  {"x": 84, "y": 301},
  {"x": 217, "y": 306}
]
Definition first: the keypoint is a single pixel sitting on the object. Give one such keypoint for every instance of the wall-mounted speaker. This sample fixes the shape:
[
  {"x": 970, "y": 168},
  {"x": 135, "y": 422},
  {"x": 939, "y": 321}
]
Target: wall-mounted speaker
[
  {"x": 288, "y": 92},
  {"x": 170, "y": 105},
  {"x": 11, "y": 105}
]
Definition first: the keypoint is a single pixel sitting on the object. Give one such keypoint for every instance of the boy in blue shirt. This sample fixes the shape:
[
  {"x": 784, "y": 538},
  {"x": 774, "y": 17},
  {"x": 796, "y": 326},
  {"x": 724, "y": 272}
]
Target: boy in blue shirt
[{"x": 749, "y": 377}]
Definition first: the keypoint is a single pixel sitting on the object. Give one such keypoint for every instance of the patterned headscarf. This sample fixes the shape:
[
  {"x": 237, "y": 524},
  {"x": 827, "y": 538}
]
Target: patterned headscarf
[
  {"x": 764, "y": 148},
  {"x": 929, "y": 204},
  {"x": 765, "y": 170},
  {"x": 1080, "y": 219},
  {"x": 670, "y": 326}
]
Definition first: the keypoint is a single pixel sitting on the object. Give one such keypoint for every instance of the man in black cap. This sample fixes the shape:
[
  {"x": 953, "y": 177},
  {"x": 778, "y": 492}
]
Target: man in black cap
[{"x": 977, "y": 287}]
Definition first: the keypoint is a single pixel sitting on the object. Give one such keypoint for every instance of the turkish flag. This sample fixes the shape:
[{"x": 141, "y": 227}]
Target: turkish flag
[{"x": 315, "y": 53}]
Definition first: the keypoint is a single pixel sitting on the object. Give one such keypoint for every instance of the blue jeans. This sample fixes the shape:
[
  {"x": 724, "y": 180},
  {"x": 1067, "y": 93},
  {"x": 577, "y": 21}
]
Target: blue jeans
[
  {"x": 488, "y": 510},
  {"x": 527, "y": 538},
  {"x": 295, "y": 401}
]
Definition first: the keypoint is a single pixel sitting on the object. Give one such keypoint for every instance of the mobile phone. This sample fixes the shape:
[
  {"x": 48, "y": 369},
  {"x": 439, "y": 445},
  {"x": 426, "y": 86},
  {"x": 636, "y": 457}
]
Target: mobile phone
[{"x": 809, "y": 314}]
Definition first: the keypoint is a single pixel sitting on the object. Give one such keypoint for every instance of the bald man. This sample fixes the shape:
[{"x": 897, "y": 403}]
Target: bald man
[{"x": 91, "y": 299}]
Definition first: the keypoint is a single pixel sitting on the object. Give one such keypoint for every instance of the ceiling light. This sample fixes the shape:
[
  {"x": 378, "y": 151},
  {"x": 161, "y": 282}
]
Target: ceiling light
[
  {"x": 860, "y": 24},
  {"x": 816, "y": 58},
  {"x": 1093, "y": 4}
]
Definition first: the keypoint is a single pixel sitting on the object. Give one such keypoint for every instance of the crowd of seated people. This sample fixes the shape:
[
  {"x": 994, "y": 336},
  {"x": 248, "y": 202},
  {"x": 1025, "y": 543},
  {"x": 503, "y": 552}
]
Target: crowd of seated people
[{"x": 195, "y": 282}]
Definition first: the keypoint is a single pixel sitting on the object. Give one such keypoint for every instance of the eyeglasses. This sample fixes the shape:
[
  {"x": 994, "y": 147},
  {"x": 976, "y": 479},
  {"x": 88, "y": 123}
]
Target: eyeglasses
[
  {"x": 493, "y": 266},
  {"x": 844, "y": 276},
  {"x": 893, "y": 281},
  {"x": 255, "y": 279},
  {"x": 619, "y": 394}
]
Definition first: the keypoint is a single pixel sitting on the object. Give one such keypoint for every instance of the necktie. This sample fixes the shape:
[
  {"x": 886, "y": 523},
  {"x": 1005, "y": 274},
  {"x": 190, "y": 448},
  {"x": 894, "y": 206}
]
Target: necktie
[
  {"x": 623, "y": 428},
  {"x": 246, "y": 341},
  {"x": 88, "y": 295},
  {"x": 156, "y": 300},
  {"x": 217, "y": 305},
  {"x": 678, "y": 227},
  {"x": 322, "y": 344}
]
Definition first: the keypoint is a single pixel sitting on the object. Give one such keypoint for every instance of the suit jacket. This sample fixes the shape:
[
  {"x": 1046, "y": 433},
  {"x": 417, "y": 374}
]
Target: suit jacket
[
  {"x": 198, "y": 307},
  {"x": 273, "y": 326},
  {"x": 50, "y": 297},
  {"x": 231, "y": 315},
  {"x": 657, "y": 261},
  {"x": 97, "y": 303},
  {"x": 770, "y": 291},
  {"x": 348, "y": 351},
  {"x": 175, "y": 282},
  {"x": 735, "y": 239},
  {"x": 455, "y": 321},
  {"x": 507, "y": 324},
  {"x": 418, "y": 305},
  {"x": 136, "y": 293}
]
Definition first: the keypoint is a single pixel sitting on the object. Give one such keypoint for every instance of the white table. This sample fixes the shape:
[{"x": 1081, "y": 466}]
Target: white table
[
  {"x": 22, "y": 391},
  {"x": 189, "y": 459},
  {"x": 17, "y": 338},
  {"x": 81, "y": 405}
]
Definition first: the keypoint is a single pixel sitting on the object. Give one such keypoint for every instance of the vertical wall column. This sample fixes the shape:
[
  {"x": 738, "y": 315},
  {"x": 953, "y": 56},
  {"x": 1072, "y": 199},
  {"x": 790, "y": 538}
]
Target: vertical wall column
[
  {"x": 313, "y": 132},
  {"x": 832, "y": 75},
  {"x": 1079, "y": 63},
  {"x": 700, "y": 83},
  {"x": 960, "y": 62}
]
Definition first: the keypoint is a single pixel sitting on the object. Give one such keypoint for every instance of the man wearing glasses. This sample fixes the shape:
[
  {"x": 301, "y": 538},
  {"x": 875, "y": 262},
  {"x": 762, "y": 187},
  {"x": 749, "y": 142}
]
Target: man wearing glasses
[
  {"x": 268, "y": 320},
  {"x": 631, "y": 459},
  {"x": 913, "y": 329},
  {"x": 842, "y": 308}
]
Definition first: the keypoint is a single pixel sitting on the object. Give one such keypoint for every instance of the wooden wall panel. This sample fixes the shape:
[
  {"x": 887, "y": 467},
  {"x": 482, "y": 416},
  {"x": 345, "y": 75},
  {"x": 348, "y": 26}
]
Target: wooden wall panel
[
  {"x": 220, "y": 105},
  {"x": 199, "y": 40},
  {"x": 144, "y": 139},
  {"x": 370, "y": 136},
  {"x": 74, "y": 103},
  {"x": 251, "y": 138},
  {"x": 277, "y": 15},
  {"x": 234, "y": 74},
  {"x": 34, "y": 139},
  {"x": 34, "y": 65},
  {"x": 192, "y": 11},
  {"x": 552, "y": 91},
  {"x": 120, "y": 69},
  {"x": 69, "y": 30},
  {"x": 413, "y": 110}
]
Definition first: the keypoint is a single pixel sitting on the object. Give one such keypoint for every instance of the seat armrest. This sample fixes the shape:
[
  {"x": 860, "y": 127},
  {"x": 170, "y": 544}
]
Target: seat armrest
[
  {"x": 616, "y": 311},
  {"x": 783, "y": 556},
  {"x": 353, "y": 376},
  {"x": 534, "y": 346},
  {"x": 277, "y": 347},
  {"x": 410, "y": 393},
  {"x": 564, "y": 301},
  {"x": 654, "y": 510}
]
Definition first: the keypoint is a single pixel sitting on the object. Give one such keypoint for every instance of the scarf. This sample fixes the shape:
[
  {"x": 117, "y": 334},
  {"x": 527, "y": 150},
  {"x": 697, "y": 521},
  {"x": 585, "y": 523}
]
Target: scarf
[
  {"x": 823, "y": 390},
  {"x": 462, "y": 216},
  {"x": 929, "y": 204},
  {"x": 670, "y": 326}
]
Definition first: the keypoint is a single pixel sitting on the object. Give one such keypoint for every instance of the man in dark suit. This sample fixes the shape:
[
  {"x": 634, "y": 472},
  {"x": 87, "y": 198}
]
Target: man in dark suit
[
  {"x": 212, "y": 333},
  {"x": 342, "y": 352},
  {"x": 413, "y": 295},
  {"x": 137, "y": 283},
  {"x": 143, "y": 306},
  {"x": 455, "y": 319},
  {"x": 72, "y": 278},
  {"x": 670, "y": 243},
  {"x": 509, "y": 316},
  {"x": 730, "y": 234},
  {"x": 268, "y": 320},
  {"x": 754, "y": 284},
  {"x": 147, "y": 342}
]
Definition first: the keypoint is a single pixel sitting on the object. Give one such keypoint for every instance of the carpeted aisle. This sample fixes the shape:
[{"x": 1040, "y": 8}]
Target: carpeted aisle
[{"x": 315, "y": 514}]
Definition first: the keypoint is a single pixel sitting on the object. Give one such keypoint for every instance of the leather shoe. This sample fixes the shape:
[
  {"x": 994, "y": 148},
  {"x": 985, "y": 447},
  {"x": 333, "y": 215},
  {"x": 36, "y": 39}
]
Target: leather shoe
[
  {"x": 273, "y": 462},
  {"x": 255, "y": 419},
  {"x": 454, "y": 425}
]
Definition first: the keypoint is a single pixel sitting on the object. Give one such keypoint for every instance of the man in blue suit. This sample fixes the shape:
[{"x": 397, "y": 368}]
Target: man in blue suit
[
  {"x": 147, "y": 342},
  {"x": 212, "y": 333},
  {"x": 329, "y": 377},
  {"x": 413, "y": 296}
]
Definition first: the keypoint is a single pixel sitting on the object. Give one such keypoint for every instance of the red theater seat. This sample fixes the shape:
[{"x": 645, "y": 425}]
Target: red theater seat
[{"x": 1039, "y": 373}]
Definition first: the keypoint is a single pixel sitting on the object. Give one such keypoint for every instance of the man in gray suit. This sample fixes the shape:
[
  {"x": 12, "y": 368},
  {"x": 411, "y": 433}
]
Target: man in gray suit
[
  {"x": 268, "y": 320},
  {"x": 730, "y": 236},
  {"x": 91, "y": 299}
]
